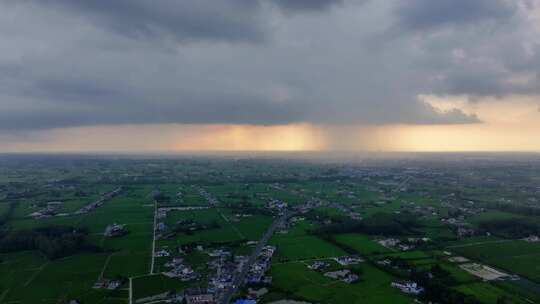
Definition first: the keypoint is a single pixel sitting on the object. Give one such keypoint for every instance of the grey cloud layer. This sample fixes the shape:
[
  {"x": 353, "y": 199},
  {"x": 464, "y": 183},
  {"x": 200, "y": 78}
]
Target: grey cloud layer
[
  {"x": 231, "y": 20},
  {"x": 306, "y": 5},
  {"x": 69, "y": 63},
  {"x": 429, "y": 14}
]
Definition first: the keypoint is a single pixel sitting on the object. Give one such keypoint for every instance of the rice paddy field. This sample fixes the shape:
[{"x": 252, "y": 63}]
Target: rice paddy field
[
  {"x": 296, "y": 279},
  {"x": 362, "y": 243},
  {"x": 516, "y": 256},
  {"x": 73, "y": 277}
]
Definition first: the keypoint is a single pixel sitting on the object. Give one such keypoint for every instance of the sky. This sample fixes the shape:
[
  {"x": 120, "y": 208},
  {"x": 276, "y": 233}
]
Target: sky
[{"x": 190, "y": 75}]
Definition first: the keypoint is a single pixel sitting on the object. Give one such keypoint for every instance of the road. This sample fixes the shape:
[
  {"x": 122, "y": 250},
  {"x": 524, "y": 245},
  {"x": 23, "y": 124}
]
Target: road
[
  {"x": 130, "y": 291},
  {"x": 240, "y": 277},
  {"x": 479, "y": 243},
  {"x": 240, "y": 234},
  {"x": 402, "y": 184},
  {"x": 154, "y": 239}
]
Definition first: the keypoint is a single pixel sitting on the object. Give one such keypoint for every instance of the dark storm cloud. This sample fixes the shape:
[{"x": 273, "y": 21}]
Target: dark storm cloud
[
  {"x": 84, "y": 108},
  {"x": 475, "y": 47},
  {"x": 231, "y": 20},
  {"x": 184, "y": 21},
  {"x": 67, "y": 63},
  {"x": 429, "y": 14}
]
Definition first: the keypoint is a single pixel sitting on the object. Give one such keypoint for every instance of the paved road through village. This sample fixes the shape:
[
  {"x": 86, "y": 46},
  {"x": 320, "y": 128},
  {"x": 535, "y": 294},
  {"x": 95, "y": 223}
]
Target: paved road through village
[{"x": 240, "y": 277}]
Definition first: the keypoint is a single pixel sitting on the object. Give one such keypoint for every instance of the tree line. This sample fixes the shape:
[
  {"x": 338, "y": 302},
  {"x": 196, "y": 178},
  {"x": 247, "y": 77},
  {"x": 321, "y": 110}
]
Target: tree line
[{"x": 52, "y": 241}]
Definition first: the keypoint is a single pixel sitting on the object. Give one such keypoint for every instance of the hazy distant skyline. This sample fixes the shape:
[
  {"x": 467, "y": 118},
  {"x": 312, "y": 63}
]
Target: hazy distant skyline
[{"x": 137, "y": 75}]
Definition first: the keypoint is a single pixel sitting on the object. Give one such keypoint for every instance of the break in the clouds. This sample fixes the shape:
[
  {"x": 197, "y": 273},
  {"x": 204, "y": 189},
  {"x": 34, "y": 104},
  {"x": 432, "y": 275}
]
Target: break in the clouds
[{"x": 67, "y": 63}]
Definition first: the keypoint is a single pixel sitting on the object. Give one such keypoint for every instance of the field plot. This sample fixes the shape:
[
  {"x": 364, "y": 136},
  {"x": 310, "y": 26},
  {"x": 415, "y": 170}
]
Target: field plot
[
  {"x": 304, "y": 247},
  {"x": 68, "y": 201},
  {"x": 222, "y": 225},
  {"x": 152, "y": 285},
  {"x": 51, "y": 281},
  {"x": 232, "y": 193},
  {"x": 4, "y": 207},
  {"x": 489, "y": 293},
  {"x": 251, "y": 228},
  {"x": 287, "y": 196},
  {"x": 29, "y": 223},
  {"x": 200, "y": 216},
  {"x": 218, "y": 228},
  {"x": 459, "y": 275},
  {"x": 432, "y": 228},
  {"x": 132, "y": 251},
  {"x": 494, "y": 215},
  {"x": 298, "y": 244},
  {"x": 410, "y": 255},
  {"x": 361, "y": 243},
  {"x": 191, "y": 197},
  {"x": 517, "y": 256},
  {"x": 73, "y": 276},
  {"x": 296, "y": 279}
]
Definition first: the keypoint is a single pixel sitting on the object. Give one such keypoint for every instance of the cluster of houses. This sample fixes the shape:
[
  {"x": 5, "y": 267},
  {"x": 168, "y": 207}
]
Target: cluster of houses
[
  {"x": 311, "y": 204},
  {"x": 277, "y": 186},
  {"x": 161, "y": 227},
  {"x": 102, "y": 200},
  {"x": 245, "y": 301},
  {"x": 283, "y": 228},
  {"x": 161, "y": 214},
  {"x": 115, "y": 230},
  {"x": 237, "y": 217},
  {"x": 403, "y": 245},
  {"x": 319, "y": 265},
  {"x": 219, "y": 281},
  {"x": 177, "y": 269},
  {"x": 163, "y": 252},
  {"x": 532, "y": 239},
  {"x": 384, "y": 262},
  {"x": 396, "y": 263},
  {"x": 278, "y": 206},
  {"x": 108, "y": 284},
  {"x": 167, "y": 297},
  {"x": 408, "y": 287},
  {"x": 459, "y": 226},
  {"x": 348, "y": 260},
  {"x": 212, "y": 200},
  {"x": 225, "y": 268},
  {"x": 348, "y": 211},
  {"x": 344, "y": 275},
  {"x": 180, "y": 195},
  {"x": 257, "y": 271},
  {"x": 198, "y": 296},
  {"x": 420, "y": 210},
  {"x": 50, "y": 209},
  {"x": 347, "y": 193}
]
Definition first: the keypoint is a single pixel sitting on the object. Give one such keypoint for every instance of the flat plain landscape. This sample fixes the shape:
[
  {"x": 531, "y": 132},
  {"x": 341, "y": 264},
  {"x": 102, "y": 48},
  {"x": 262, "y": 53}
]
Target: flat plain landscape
[{"x": 90, "y": 229}]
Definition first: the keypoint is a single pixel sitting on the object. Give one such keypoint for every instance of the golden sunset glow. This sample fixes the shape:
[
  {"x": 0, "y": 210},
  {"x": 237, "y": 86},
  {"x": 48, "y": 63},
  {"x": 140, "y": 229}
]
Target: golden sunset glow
[
  {"x": 506, "y": 125},
  {"x": 297, "y": 137}
]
